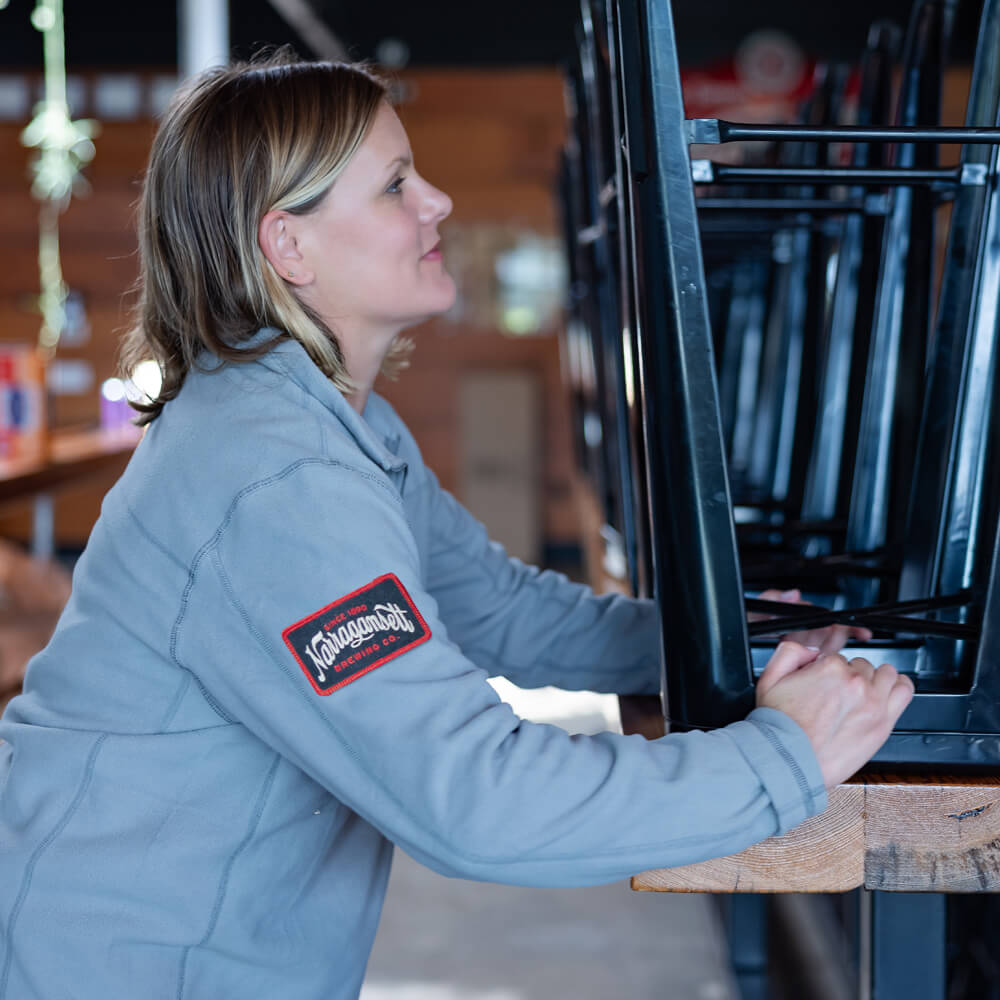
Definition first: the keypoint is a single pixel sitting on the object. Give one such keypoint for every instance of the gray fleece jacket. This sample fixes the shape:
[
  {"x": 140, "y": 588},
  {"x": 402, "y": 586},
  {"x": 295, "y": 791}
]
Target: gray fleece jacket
[{"x": 273, "y": 668}]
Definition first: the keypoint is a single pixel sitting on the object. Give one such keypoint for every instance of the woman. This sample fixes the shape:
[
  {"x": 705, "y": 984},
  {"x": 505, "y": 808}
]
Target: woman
[{"x": 273, "y": 663}]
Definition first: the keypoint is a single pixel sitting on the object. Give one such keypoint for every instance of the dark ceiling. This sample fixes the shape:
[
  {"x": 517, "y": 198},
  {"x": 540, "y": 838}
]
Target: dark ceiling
[{"x": 121, "y": 33}]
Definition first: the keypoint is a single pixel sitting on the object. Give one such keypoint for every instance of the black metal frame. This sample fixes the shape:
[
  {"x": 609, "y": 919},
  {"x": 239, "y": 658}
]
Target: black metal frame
[
  {"x": 709, "y": 660},
  {"x": 847, "y": 332},
  {"x": 685, "y": 461},
  {"x": 599, "y": 298}
]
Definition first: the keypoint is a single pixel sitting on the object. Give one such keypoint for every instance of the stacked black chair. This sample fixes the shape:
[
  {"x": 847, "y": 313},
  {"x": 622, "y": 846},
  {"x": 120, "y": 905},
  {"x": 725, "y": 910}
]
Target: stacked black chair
[
  {"x": 590, "y": 166},
  {"x": 825, "y": 416},
  {"x": 812, "y": 416}
]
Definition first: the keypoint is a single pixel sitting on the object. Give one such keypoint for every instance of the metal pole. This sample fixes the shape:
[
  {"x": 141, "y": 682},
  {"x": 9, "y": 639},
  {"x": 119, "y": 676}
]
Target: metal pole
[
  {"x": 43, "y": 527},
  {"x": 312, "y": 29},
  {"x": 202, "y": 35},
  {"x": 908, "y": 946},
  {"x": 710, "y": 131},
  {"x": 748, "y": 925},
  {"x": 710, "y": 172}
]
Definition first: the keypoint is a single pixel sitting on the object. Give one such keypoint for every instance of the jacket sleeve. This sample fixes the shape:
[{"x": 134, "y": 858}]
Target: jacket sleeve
[
  {"x": 419, "y": 744},
  {"x": 535, "y": 628}
]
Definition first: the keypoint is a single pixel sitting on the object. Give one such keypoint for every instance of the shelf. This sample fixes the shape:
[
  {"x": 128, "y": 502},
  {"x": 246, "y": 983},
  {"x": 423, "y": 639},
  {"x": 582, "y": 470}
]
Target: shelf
[{"x": 70, "y": 457}]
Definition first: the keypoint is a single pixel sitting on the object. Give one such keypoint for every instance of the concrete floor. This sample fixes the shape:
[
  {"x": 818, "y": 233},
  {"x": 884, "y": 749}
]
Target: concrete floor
[{"x": 447, "y": 939}]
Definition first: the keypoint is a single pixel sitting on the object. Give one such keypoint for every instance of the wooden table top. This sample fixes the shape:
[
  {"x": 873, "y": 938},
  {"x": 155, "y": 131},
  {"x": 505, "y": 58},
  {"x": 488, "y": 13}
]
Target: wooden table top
[
  {"x": 914, "y": 832},
  {"x": 895, "y": 833},
  {"x": 69, "y": 456}
]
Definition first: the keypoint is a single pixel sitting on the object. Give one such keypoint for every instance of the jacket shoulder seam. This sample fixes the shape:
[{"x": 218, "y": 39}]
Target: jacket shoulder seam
[
  {"x": 152, "y": 539},
  {"x": 215, "y": 539}
]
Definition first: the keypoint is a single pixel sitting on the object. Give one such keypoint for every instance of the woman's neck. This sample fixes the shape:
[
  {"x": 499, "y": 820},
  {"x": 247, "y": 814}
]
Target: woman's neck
[{"x": 364, "y": 352}]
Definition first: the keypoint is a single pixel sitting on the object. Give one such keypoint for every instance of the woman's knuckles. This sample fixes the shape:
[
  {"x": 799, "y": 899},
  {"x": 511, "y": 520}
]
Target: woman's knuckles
[{"x": 859, "y": 688}]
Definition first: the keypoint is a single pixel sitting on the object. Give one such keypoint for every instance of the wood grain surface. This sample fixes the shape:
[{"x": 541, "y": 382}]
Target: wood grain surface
[
  {"x": 921, "y": 833},
  {"x": 933, "y": 835},
  {"x": 823, "y": 854}
]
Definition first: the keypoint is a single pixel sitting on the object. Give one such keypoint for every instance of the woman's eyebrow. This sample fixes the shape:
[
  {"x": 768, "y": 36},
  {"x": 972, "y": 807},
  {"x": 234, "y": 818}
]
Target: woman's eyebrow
[{"x": 403, "y": 161}]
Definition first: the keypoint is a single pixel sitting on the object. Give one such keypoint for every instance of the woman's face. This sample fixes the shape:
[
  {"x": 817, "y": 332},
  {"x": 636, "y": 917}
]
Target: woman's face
[{"x": 371, "y": 246}]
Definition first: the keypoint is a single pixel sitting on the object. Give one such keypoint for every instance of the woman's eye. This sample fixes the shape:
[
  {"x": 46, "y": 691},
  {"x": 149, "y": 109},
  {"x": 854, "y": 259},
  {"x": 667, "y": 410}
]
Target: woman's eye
[{"x": 396, "y": 186}]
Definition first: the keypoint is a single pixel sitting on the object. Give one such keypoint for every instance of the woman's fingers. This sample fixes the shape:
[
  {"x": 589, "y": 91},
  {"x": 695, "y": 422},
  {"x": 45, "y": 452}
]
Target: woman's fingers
[
  {"x": 831, "y": 639},
  {"x": 863, "y": 667},
  {"x": 847, "y": 709},
  {"x": 786, "y": 659},
  {"x": 834, "y": 638},
  {"x": 896, "y": 688},
  {"x": 900, "y": 696},
  {"x": 773, "y": 594},
  {"x": 885, "y": 678}
]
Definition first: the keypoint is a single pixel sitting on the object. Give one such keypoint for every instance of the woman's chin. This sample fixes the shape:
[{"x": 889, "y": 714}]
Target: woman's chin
[
  {"x": 447, "y": 297},
  {"x": 439, "y": 302}
]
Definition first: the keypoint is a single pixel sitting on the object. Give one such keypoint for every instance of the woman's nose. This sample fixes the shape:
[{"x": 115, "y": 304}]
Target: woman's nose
[{"x": 436, "y": 204}]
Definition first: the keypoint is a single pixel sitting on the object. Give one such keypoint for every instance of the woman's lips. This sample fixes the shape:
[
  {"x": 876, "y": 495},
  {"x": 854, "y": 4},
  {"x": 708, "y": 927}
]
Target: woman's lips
[{"x": 434, "y": 253}]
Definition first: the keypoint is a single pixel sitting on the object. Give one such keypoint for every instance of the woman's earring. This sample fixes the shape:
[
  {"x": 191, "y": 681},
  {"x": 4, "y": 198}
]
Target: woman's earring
[{"x": 291, "y": 274}]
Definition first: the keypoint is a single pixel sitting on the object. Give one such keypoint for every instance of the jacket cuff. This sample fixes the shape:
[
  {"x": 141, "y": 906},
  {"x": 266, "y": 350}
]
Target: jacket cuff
[{"x": 780, "y": 752}]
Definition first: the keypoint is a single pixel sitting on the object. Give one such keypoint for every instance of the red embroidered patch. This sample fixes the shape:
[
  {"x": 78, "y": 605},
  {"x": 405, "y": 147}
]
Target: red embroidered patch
[{"x": 356, "y": 634}]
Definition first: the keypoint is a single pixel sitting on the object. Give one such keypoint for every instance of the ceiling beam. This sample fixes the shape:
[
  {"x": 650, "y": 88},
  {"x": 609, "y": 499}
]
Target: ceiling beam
[{"x": 312, "y": 29}]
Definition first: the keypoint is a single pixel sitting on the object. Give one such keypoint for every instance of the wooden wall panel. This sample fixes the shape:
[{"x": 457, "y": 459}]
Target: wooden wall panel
[{"x": 489, "y": 138}]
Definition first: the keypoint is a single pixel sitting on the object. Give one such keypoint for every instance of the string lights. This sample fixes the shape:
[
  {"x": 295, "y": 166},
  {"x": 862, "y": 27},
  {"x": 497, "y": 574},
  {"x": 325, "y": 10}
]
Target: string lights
[{"x": 64, "y": 148}]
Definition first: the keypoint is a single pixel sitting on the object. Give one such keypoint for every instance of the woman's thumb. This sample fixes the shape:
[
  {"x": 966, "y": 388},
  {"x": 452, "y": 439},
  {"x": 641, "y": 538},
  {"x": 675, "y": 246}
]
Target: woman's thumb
[{"x": 787, "y": 658}]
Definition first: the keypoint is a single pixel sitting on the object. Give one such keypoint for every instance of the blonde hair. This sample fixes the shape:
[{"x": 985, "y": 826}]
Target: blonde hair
[{"x": 236, "y": 144}]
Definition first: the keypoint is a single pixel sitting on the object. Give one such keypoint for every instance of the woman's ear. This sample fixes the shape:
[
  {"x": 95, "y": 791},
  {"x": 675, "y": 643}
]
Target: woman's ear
[{"x": 276, "y": 236}]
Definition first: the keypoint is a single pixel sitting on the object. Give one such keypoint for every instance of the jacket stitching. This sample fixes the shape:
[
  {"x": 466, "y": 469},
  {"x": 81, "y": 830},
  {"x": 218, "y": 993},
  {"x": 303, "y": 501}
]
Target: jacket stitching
[
  {"x": 278, "y": 661},
  {"x": 216, "y": 537},
  {"x": 792, "y": 764},
  {"x": 158, "y": 733},
  {"x": 29, "y": 870},
  {"x": 279, "y": 363},
  {"x": 212, "y": 546},
  {"x": 185, "y": 681},
  {"x": 321, "y": 426},
  {"x": 153, "y": 540},
  {"x": 455, "y": 853},
  {"x": 178, "y": 699},
  {"x": 220, "y": 896}
]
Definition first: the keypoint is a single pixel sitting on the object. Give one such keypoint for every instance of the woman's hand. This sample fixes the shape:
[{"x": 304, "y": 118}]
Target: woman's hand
[
  {"x": 831, "y": 639},
  {"x": 847, "y": 708}
]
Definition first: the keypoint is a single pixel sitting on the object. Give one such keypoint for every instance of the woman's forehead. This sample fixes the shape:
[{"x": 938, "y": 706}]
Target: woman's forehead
[
  {"x": 384, "y": 149},
  {"x": 387, "y": 136}
]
